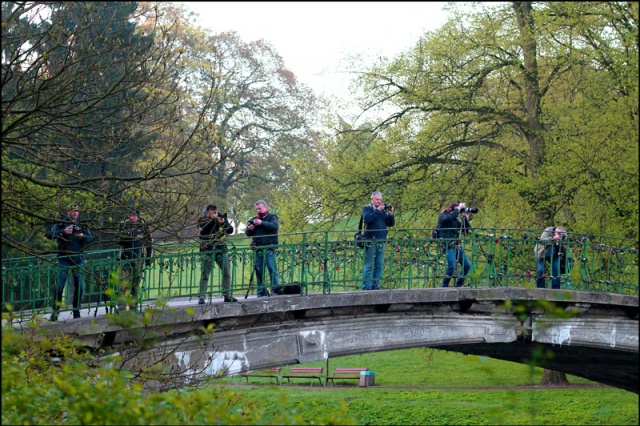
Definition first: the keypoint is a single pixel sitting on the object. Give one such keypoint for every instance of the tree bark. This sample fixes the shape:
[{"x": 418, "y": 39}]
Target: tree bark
[{"x": 554, "y": 378}]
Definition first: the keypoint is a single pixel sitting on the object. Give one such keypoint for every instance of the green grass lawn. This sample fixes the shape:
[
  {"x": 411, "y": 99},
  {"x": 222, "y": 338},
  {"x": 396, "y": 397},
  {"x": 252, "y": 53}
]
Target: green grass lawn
[{"x": 425, "y": 386}]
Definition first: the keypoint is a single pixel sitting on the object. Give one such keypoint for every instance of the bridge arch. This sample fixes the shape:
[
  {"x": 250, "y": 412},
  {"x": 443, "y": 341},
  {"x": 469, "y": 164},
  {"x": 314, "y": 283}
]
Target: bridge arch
[{"x": 591, "y": 335}]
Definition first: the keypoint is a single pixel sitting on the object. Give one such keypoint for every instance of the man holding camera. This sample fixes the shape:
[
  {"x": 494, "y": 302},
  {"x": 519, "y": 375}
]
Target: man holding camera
[
  {"x": 263, "y": 229},
  {"x": 214, "y": 229},
  {"x": 449, "y": 227},
  {"x": 71, "y": 239},
  {"x": 551, "y": 249},
  {"x": 377, "y": 217},
  {"x": 136, "y": 243}
]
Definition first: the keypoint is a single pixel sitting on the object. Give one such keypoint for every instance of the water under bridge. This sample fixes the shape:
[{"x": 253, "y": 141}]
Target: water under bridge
[{"x": 588, "y": 328}]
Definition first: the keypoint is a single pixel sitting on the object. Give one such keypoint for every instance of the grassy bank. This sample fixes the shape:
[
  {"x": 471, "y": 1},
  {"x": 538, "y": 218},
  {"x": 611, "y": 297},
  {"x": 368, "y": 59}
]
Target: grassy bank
[{"x": 425, "y": 386}]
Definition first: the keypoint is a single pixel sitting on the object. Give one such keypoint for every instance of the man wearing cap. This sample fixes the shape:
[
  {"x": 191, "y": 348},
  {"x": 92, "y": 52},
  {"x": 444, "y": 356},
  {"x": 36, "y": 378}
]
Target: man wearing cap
[
  {"x": 72, "y": 239},
  {"x": 551, "y": 248},
  {"x": 214, "y": 228},
  {"x": 136, "y": 242}
]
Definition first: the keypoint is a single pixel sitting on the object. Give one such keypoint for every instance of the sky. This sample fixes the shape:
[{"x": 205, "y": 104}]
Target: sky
[{"x": 315, "y": 38}]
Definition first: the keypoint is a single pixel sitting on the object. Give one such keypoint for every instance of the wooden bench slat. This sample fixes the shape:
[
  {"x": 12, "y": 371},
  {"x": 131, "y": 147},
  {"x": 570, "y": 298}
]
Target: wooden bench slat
[
  {"x": 265, "y": 372},
  {"x": 298, "y": 373},
  {"x": 344, "y": 373}
]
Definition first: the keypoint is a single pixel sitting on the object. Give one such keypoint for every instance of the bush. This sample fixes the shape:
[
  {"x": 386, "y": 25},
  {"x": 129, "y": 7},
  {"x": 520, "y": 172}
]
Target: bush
[{"x": 55, "y": 381}]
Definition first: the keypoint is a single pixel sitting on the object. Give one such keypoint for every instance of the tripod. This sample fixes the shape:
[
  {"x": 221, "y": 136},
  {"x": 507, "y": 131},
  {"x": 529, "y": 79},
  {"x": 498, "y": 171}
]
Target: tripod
[{"x": 253, "y": 273}]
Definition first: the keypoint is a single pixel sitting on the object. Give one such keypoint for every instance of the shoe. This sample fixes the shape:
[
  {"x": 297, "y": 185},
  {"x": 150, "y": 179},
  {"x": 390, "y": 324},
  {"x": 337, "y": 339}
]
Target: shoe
[
  {"x": 201, "y": 301},
  {"x": 232, "y": 299},
  {"x": 76, "y": 314}
]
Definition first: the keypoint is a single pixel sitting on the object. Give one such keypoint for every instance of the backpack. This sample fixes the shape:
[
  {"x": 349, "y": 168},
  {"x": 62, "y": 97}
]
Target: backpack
[{"x": 435, "y": 233}]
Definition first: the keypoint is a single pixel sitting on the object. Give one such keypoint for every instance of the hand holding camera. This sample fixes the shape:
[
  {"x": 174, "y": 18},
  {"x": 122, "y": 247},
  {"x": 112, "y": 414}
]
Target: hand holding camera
[
  {"x": 74, "y": 229},
  {"x": 253, "y": 222}
]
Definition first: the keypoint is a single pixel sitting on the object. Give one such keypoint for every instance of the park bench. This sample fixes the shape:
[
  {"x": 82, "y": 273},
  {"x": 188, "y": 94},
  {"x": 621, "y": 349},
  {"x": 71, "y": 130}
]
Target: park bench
[
  {"x": 344, "y": 373},
  {"x": 271, "y": 373},
  {"x": 304, "y": 373}
]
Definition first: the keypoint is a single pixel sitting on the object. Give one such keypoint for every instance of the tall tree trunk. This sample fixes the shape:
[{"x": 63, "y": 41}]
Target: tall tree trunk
[
  {"x": 554, "y": 378},
  {"x": 533, "y": 131}
]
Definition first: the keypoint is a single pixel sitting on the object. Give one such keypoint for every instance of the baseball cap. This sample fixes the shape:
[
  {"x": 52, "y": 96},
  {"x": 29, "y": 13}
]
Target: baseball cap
[{"x": 73, "y": 207}]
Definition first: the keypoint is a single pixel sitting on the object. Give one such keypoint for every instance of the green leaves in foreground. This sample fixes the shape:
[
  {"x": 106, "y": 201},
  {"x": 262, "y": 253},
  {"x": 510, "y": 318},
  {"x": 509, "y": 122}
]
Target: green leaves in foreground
[{"x": 53, "y": 381}]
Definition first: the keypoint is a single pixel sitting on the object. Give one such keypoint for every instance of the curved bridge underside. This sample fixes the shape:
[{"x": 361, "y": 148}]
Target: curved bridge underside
[{"x": 591, "y": 335}]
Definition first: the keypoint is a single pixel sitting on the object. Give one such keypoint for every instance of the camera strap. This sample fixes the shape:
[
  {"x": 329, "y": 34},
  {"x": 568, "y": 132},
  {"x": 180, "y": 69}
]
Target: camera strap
[{"x": 360, "y": 226}]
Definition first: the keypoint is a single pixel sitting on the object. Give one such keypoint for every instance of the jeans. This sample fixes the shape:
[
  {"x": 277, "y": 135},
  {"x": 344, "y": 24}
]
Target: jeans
[
  {"x": 373, "y": 265},
  {"x": 554, "y": 258},
  {"x": 266, "y": 257},
  {"x": 78, "y": 284},
  {"x": 222, "y": 260},
  {"x": 456, "y": 254}
]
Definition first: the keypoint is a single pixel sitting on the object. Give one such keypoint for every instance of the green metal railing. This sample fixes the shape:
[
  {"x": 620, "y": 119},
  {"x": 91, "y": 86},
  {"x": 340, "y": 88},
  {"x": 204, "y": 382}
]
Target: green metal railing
[{"x": 327, "y": 262}]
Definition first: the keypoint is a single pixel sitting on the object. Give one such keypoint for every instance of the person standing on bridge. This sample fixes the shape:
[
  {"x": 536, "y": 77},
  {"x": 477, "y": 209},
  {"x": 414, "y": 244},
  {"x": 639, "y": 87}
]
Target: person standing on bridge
[
  {"x": 214, "y": 229},
  {"x": 551, "y": 249},
  {"x": 449, "y": 227},
  {"x": 136, "y": 243},
  {"x": 377, "y": 217},
  {"x": 72, "y": 239},
  {"x": 263, "y": 229}
]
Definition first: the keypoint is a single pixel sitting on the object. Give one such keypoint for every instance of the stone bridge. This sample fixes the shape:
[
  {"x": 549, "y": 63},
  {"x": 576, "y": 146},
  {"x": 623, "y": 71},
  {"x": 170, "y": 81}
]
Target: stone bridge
[{"x": 591, "y": 335}]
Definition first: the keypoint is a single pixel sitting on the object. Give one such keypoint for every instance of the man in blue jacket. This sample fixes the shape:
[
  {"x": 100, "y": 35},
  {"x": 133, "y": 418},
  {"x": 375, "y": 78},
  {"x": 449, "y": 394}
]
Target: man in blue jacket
[
  {"x": 264, "y": 232},
  {"x": 71, "y": 239},
  {"x": 377, "y": 217}
]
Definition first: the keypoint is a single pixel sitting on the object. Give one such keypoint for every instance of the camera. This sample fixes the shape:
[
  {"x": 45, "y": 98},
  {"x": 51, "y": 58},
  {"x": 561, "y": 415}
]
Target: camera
[
  {"x": 250, "y": 222},
  {"x": 469, "y": 210},
  {"x": 387, "y": 207},
  {"x": 76, "y": 229},
  {"x": 563, "y": 236}
]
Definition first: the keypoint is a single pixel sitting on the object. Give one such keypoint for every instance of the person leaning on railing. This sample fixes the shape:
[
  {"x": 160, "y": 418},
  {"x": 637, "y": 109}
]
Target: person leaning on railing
[
  {"x": 214, "y": 228},
  {"x": 72, "y": 239},
  {"x": 551, "y": 249}
]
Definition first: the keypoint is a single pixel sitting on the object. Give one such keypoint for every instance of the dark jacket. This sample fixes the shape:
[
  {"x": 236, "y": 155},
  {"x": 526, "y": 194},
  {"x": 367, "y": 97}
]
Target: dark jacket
[
  {"x": 69, "y": 244},
  {"x": 449, "y": 225},
  {"x": 213, "y": 234},
  {"x": 134, "y": 236},
  {"x": 376, "y": 222},
  {"x": 265, "y": 234}
]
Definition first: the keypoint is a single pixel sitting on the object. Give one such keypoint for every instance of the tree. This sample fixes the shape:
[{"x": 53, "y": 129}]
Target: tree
[
  {"x": 260, "y": 113},
  {"x": 527, "y": 109},
  {"x": 90, "y": 97}
]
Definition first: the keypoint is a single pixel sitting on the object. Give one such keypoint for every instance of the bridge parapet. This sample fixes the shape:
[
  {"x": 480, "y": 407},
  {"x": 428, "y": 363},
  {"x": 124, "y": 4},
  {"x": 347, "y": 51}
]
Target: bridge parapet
[{"x": 330, "y": 262}]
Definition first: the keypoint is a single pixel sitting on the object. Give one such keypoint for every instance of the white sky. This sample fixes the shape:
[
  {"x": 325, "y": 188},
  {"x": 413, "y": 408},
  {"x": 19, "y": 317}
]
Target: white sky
[{"x": 313, "y": 37}]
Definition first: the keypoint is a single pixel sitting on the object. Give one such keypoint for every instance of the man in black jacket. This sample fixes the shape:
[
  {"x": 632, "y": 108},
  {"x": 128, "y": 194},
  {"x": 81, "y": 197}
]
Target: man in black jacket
[
  {"x": 136, "y": 243},
  {"x": 214, "y": 229},
  {"x": 71, "y": 239},
  {"x": 264, "y": 232},
  {"x": 449, "y": 229}
]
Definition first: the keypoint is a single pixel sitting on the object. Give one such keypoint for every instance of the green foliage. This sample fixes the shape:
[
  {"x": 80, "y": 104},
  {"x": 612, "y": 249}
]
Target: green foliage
[
  {"x": 535, "y": 124},
  {"x": 55, "y": 381}
]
